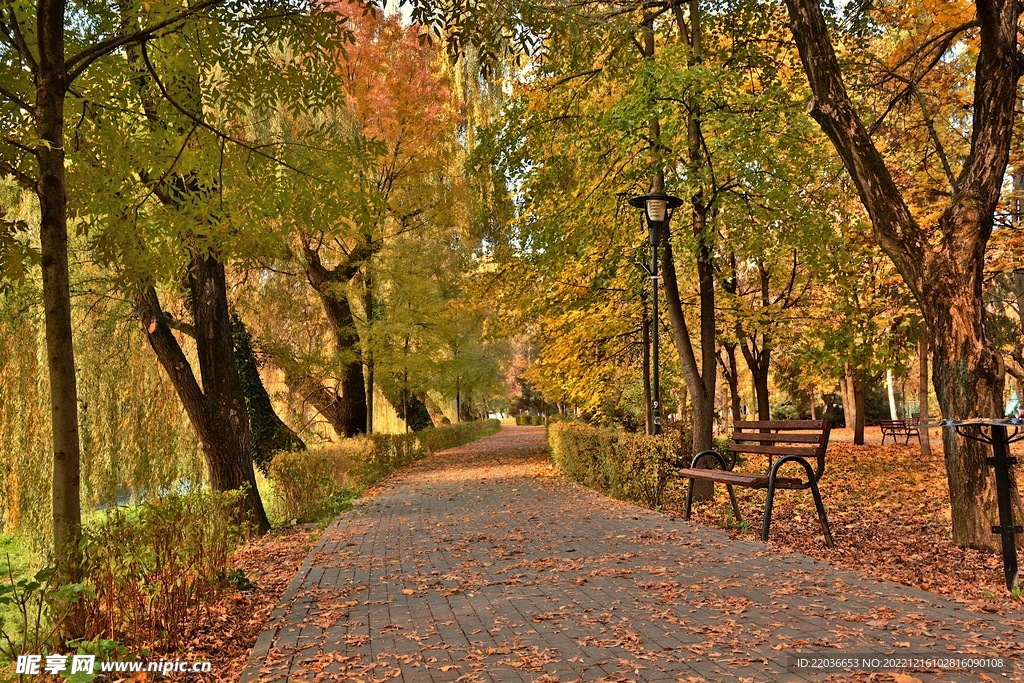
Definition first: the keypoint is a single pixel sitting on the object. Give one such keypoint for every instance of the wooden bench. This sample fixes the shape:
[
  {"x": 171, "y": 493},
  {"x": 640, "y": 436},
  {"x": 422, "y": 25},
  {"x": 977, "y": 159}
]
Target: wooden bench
[
  {"x": 796, "y": 442},
  {"x": 902, "y": 428}
]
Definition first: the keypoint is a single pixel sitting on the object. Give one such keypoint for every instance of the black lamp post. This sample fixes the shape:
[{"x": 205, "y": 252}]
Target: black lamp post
[{"x": 657, "y": 208}]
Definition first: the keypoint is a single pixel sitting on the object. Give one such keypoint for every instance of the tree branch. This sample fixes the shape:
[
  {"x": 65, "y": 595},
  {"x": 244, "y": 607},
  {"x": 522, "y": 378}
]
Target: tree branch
[
  {"x": 27, "y": 181},
  {"x": 831, "y": 107},
  {"x": 78, "y": 63},
  {"x": 203, "y": 124},
  {"x": 17, "y": 38}
]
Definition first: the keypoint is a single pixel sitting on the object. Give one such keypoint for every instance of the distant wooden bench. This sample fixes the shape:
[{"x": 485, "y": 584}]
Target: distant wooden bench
[
  {"x": 790, "y": 441},
  {"x": 895, "y": 428}
]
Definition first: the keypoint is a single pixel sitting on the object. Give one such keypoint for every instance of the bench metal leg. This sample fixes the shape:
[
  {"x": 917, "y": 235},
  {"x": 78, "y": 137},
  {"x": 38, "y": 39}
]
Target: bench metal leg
[
  {"x": 689, "y": 500},
  {"x": 822, "y": 517},
  {"x": 768, "y": 510},
  {"x": 735, "y": 505}
]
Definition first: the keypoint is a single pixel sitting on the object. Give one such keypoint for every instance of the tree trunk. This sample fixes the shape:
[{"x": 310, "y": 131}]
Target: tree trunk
[
  {"x": 703, "y": 419},
  {"x": 968, "y": 376},
  {"x": 311, "y": 390},
  {"x": 731, "y": 373},
  {"x": 854, "y": 396},
  {"x": 51, "y": 89},
  {"x": 893, "y": 413},
  {"x": 922, "y": 393},
  {"x": 269, "y": 434},
  {"x": 847, "y": 401},
  {"x": 758, "y": 355},
  {"x": 942, "y": 265},
  {"x": 217, "y": 411},
  {"x": 331, "y": 285},
  {"x": 367, "y": 349},
  {"x": 758, "y": 363},
  {"x": 857, "y": 390}
]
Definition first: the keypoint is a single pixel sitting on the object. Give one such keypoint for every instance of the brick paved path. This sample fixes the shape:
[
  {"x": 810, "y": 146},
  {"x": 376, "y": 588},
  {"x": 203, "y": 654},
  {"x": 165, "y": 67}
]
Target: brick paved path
[{"x": 483, "y": 564}]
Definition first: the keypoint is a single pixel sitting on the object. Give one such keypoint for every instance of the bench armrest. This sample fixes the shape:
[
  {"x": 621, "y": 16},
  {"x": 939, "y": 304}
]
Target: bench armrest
[
  {"x": 717, "y": 456},
  {"x": 812, "y": 476}
]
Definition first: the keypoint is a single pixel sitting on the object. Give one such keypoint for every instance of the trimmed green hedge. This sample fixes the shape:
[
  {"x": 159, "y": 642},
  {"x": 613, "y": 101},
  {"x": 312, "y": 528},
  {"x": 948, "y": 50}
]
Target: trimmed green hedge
[
  {"x": 633, "y": 467},
  {"x": 309, "y": 482}
]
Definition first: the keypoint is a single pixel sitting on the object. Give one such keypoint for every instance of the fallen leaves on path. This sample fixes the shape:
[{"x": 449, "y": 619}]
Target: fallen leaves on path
[
  {"x": 229, "y": 628},
  {"x": 888, "y": 508}
]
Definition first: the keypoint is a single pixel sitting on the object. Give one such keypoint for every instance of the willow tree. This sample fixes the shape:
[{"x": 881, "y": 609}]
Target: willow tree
[
  {"x": 46, "y": 52},
  {"x": 70, "y": 62},
  {"x": 940, "y": 254}
]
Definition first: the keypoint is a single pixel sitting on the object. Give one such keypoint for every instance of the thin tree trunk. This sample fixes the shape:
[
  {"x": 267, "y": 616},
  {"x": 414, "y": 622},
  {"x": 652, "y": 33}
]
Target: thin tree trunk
[
  {"x": 893, "y": 413},
  {"x": 759, "y": 374},
  {"x": 858, "y": 400},
  {"x": 758, "y": 356},
  {"x": 367, "y": 349},
  {"x": 922, "y": 393},
  {"x": 51, "y": 89},
  {"x": 844, "y": 396},
  {"x": 855, "y": 391},
  {"x": 732, "y": 378}
]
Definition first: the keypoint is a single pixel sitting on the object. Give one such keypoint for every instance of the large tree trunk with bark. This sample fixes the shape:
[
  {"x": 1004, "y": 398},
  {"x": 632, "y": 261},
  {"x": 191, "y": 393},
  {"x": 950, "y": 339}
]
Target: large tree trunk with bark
[
  {"x": 968, "y": 377},
  {"x": 941, "y": 264},
  {"x": 217, "y": 411},
  {"x": 51, "y": 89}
]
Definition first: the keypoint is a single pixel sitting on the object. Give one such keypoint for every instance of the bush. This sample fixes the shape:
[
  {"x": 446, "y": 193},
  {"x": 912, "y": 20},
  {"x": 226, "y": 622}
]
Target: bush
[
  {"x": 316, "y": 484},
  {"x": 151, "y": 566},
  {"x": 33, "y": 610},
  {"x": 633, "y": 467},
  {"x": 306, "y": 482},
  {"x": 385, "y": 453}
]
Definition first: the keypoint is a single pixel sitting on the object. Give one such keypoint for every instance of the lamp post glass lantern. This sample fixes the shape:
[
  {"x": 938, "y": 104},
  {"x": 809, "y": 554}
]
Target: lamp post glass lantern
[{"x": 657, "y": 208}]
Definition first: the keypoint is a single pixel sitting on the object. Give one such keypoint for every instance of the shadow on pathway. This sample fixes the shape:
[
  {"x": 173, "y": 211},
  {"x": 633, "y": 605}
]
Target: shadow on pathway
[{"x": 482, "y": 563}]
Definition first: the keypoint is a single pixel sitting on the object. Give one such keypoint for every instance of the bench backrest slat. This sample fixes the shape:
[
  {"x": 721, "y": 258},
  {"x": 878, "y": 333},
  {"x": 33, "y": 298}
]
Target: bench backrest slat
[
  {"x": 776, "y": 439},
  {"x": 794, "y": 425},
  {"x": 806, "y": 452}
]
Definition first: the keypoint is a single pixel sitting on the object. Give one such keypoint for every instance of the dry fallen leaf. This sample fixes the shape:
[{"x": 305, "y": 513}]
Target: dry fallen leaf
[{"x": 906, "y": 678}]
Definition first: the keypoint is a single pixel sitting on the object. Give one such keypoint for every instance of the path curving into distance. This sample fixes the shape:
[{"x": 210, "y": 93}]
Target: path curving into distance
[{"x": 483, "y": 563}]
